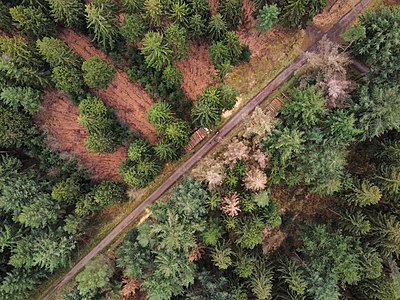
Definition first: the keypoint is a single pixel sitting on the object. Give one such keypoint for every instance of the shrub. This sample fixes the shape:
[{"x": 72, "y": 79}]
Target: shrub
[
  {"x": 105, "y": 134},
  {"x": 139, "y": 150},
  {"x": 172, "y": 77},
  {"x": 109, "y": 192},
  {"x": 14, "y": 127},
  {"x": 97, "y": 72},
  {"x": 165, "y": 151},
  {"x": 69, "y": 80},
  {"x": 133, "y": 28},
  {"x": 67, "y": 191},
  {"x": 106, "y": 142},
  {"x": 228, "y": 96}
]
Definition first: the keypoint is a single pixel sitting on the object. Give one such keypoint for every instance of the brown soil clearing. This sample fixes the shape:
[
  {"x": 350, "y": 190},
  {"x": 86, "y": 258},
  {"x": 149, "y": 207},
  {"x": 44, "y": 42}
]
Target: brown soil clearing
[
  {"x": 58, "y": 119},
  {"x": 128, "y": 99},
  {"x": 197, "y": 70}
]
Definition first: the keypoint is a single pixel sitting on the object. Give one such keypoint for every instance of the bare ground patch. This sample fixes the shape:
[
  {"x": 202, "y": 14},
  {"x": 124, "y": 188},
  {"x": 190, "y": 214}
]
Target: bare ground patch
[
  {"x": 197, "y": 70},
  {"x": 58, "y": 118}
]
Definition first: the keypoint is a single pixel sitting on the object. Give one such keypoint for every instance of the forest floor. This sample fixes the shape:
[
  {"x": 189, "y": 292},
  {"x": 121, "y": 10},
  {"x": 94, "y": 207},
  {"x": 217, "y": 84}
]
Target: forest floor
[
  {"x": 58, "y": 119},
  {"x": 129, "y": 100}
]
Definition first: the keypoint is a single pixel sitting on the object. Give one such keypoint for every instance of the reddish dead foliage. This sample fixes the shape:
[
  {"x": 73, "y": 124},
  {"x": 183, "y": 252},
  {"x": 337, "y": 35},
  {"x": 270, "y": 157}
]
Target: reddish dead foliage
[
  {"x": 128, "y": 99},
  {"x": 58, "y": 119},
  {"x": 213, "y": 4},
  {"x": 197, "y": 70}
]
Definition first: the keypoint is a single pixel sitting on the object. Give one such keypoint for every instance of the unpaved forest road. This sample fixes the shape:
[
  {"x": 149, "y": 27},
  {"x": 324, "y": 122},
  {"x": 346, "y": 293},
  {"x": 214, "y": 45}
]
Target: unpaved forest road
[{"x": 233, "y": 121}]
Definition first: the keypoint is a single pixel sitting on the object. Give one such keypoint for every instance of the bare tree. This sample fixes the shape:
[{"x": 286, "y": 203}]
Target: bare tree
[
  {"x": 211, "y": 170},
  {"x": 236, "y": 150},
  {"x": 260, "y": 158},
  {"x": 258, "y": 126},
  {"x": 255, "y": 179},
  {"x": 231, "y": 205},
  {"x": 331, "y": 65}
]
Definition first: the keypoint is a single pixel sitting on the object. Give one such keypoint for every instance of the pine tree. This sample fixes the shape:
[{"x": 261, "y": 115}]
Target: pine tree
[
  {"x": 364, "y": 193},
  {"x": 261, "y": 281},
  {"x": 217, "y": 27},
  {"x": 231, "y": 11},
  {"x": 133, "y": 28},
  {"x": 179, "y": 12},
  {"x": 57, "y": 54},
  {"x": 19, "y": 50},
  {"x": 68, "y": 12},
  {"x": 101, "y": 22},
  {"x": 32, "y": 21},
  {"x": 157, "y": 53},
  {"x": 25, "y": 97},
  {"x": 221, "y": 256},
  {"x": 267, "y": 16}
]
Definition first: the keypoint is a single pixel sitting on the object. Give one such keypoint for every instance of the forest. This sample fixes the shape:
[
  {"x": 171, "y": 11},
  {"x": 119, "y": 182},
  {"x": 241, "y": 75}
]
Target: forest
[{"x": 304, "y": 205}]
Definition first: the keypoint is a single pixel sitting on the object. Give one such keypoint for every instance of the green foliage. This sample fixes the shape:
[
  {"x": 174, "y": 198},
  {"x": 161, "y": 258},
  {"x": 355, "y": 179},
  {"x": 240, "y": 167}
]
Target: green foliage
[
  {"x": 97, "y": 72},
  {"x": 263, "y": 198},
  {"x": 261, "y": 280},
  {"x": 11, "y": 74},
  {"x": 217, "y": 27},
  {"x": 101, "y": 22},
  {"x": 56, "y": 53},
  {"x": 109, "y": 192},
  {"x": 25, "y": 97},
  {"x": 67, "y": 191},
  {"x": 249, "y": 232},
  {"x": 141, "y": 173},
  {"x": 364, "y": 193},
  {"x": 298, "y": 12},
  {"x": 213, "y": 233},
  {"x": 197, "y": 27},
  {"x": 293, "y": 277},
  {"x": 244, "y": 264},
  {"x": 154, "y": 10},
  {"x": 219, "y": 54},
  {"x": 305, "y": 107},
  {"x": 164, "y": 242},
  {"x": 221, "y": 256},
  {"x": 267, "y": 16},
  {"x": 231, "y": 12},
  {"x": 105, "y": 135},
  {"x": 15, "y": 128},
  {"x": 381, "y": 288},
  {"x": 156, "y": 52},
  {"x": 5, "y": 18},
  {"x": 333, "y": 258},
  {"x": 354, "y": 33},
  {"x": 176, "y": 38},
  {"x": 32, "y": 21},
  {"x": 172, "y": 77},
  {"x": 177, "y": 133},
  {"x": 380, "y": 44},
  {"x": 18, "y": 50},
  {"x": 95, "y": 277},
  {"x": 209, "y": 106},
  {"x": 160, "y": 115},
  {"x": 376, "y": 109},
  {"x": 285, "y": 143},
  {"x": 228, "y": 96},
  {"x": 355, "y": 222},
  {"x": 386, "y": 234},
  {"x": 133, "y": 28},
  {"x": 179, "y": 12},
  {"x": 165, "y": 151},
  {"x": 70, "y": 13},
  {"x": 138, "y": 150},
  {"x": 132, "y": 6},
  {"x": 69, "y": 80},
  {"x": 211, "y": 287},
  {"x": 341, "y": 127},
  {"x": 389, "y": 179}
]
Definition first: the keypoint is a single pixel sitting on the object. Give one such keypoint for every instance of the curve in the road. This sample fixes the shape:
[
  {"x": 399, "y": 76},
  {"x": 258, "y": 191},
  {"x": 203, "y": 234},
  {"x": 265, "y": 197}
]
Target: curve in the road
[{"x": 233, "y": 121}]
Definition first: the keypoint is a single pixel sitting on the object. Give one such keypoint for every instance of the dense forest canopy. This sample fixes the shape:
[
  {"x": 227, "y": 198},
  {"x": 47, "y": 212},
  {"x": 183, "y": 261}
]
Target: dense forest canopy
[{"x": 235, "y": 228}]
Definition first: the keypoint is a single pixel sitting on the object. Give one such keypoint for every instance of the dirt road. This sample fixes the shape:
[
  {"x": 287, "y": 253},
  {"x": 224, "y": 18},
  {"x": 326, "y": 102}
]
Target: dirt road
[{"x": 235, "y": 120}]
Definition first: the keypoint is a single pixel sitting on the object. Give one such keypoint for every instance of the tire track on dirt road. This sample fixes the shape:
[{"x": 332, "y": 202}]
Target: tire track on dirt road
[{"x": 233, "y": 122}]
